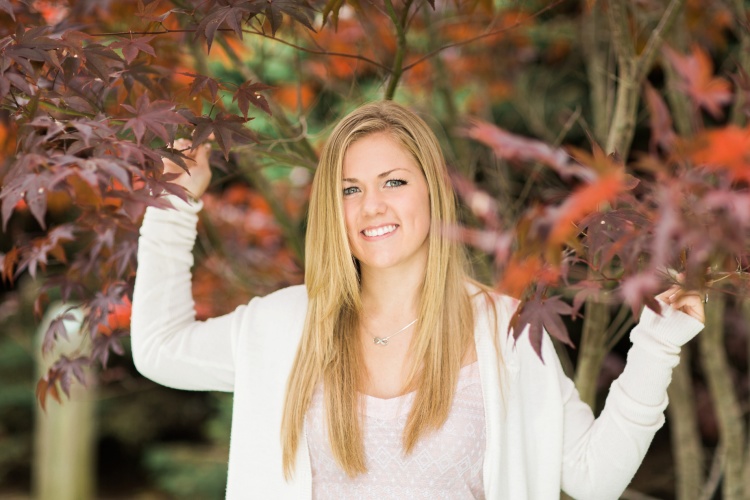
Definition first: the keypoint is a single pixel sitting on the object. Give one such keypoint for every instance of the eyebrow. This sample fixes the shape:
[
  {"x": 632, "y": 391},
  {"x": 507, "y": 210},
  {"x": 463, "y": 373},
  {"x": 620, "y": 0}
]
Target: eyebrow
[{"x": 380, "y": 176}]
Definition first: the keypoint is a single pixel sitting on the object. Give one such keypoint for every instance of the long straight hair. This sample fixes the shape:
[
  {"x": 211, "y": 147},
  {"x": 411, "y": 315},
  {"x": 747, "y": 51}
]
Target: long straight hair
[{"x": 329, "y": 350}]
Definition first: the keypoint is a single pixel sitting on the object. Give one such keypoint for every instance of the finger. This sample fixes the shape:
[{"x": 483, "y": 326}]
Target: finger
[
  {"x": 666, "y": 295},
  {"x": 182, "y": 143},
  {"x": 688, "y": 300}
]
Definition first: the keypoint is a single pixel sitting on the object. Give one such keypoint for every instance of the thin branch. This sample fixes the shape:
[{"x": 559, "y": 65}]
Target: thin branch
[
  {"x": 318, "y": 52},
  {"x": 432, "y": 53},
  {"x": 655, "y": 41},
  {"x": 621, "y": 38},
  {"x": 252, "y": 32},
  {"x": 398, "y": 61},
  {"x": 738, "y": 116}
]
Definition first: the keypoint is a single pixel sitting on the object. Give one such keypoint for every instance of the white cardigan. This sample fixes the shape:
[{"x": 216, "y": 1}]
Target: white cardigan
[{"x": 540, "y": 436}]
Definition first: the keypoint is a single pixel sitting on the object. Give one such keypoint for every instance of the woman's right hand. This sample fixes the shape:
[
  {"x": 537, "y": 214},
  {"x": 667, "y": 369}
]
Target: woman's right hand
[{"x": 197, "y": 181}]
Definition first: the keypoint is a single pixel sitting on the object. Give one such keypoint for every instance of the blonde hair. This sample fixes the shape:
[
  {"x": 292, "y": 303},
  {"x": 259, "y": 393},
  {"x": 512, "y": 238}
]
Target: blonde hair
[{"x": 329, "y": 350}]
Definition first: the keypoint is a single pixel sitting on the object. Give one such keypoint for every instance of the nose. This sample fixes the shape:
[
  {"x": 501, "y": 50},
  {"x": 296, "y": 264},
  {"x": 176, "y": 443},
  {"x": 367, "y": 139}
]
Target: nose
[{"x": 373, "y": 203}]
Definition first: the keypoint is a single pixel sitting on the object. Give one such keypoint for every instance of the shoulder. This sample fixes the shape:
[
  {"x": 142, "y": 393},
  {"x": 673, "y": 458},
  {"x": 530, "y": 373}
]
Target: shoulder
[
  {"x": 279, "y": 307},
  {"x": 493, "y": 314},
  {"x": 278, "y": 315},
  {"x": 488, "y": 301},
  {"x": 292, "y": 296}
]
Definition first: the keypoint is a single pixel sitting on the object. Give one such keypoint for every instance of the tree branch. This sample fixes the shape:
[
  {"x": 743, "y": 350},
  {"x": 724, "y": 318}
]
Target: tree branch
[
  {"x": 515, "y": 25},
  {"x": 398, "y": 61},
  {"x": 252, "y": 32},
  {"x": 655, "y": 41},
  {"x": 632, "y": 70},
  {"x": 618, "y": 23},
  {"x": 738, "y": 116}
]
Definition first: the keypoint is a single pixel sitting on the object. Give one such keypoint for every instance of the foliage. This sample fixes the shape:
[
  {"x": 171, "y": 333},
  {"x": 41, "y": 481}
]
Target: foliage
[{"x": 600, "y": 156}]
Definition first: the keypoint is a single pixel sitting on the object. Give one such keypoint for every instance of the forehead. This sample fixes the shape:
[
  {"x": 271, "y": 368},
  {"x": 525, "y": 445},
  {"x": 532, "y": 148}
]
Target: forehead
[{"x": 376, "y": 153}]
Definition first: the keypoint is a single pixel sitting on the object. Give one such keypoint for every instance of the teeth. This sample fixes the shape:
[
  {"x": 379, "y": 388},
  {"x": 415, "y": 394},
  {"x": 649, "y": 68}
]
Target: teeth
[{"x": 379, "y": 231}]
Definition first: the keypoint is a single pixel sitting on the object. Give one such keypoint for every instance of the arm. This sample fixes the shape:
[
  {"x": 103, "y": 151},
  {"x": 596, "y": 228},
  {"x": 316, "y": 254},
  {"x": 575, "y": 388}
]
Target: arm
[
  {"x": 168, "y": 345},
  {"x": 601, "y": 456}
]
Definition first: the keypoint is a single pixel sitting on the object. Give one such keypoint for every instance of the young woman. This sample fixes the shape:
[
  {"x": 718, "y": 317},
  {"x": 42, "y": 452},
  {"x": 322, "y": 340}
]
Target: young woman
[{"x": 390, "y": 373}]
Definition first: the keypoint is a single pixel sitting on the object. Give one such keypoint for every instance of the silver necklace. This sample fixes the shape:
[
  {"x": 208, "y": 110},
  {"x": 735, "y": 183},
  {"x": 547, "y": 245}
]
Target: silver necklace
[{"x": 384, "y": 340}]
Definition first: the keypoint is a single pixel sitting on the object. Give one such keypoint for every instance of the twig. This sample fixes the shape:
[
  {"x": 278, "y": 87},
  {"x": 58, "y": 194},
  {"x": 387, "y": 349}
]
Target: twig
[
  {"x": 251, "y": 32},
  {"x": 630, "y": 494},
  {"x": 398, "y": 61},
  {"x": 714, "y": 477},
  {"x": 432, "y": 53},
  {"x": 655, "y": 41}
]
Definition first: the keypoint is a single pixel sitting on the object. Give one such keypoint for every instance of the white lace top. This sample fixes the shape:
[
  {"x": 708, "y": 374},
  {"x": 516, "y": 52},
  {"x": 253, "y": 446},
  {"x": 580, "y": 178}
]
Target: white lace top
[{"x": 444, "y": 464}]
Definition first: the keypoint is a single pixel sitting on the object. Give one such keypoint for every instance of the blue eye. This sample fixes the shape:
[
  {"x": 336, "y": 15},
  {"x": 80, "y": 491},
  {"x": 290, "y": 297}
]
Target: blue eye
[
  {"x": 391, "y": 183},
  {"x": 350, "y": 190}
]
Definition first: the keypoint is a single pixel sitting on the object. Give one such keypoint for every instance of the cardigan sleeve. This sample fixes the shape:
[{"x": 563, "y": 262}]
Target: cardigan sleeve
[
  {"x": 169, "y": 346},
  {"x": 601, "y": 456}
]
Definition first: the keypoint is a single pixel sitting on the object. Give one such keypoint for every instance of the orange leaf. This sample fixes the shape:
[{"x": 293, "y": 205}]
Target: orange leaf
[
  {"x": 726, "y": 149},
  {"x": 584, "y": 201},
  {"x": 519, "y": 274},
  {"x": 117, "y": 318}
]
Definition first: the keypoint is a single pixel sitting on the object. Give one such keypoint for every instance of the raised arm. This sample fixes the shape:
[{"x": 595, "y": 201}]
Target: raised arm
[
  {"x": 168, "y": 345},
  {"x": 601, "y": 456}
]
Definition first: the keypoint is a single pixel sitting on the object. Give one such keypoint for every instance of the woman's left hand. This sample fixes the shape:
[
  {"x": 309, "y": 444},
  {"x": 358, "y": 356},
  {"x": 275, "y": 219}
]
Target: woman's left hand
[{"x": 688, "y": 301}]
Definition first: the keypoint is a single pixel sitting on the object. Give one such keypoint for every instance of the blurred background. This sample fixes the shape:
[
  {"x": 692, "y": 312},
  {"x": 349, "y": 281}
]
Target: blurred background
[{"x": 551, "y": 73}]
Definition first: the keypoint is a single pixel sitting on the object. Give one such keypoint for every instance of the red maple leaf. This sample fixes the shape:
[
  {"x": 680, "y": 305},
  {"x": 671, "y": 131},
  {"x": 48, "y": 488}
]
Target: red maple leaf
[
  {"x": 539, "y": 314},
  {"x": 56, "y": 330},
  {"x": 518, "y": 148},
  {"x": 662, "y": 132},
  {"x": 132, "y": 46},
  {"x": 697, "y": 74},
  {"x": 201, "y": 82},
  {"x": 152, "y": 116},
  {"x": 227, "y": 128},
  {"x": 247, "y": 94},
  {"x": 8, "y": 263}
]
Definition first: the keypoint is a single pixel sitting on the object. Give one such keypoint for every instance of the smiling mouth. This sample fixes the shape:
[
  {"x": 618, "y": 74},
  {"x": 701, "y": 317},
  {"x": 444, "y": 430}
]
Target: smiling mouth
[{"x": 379, "y": 231}]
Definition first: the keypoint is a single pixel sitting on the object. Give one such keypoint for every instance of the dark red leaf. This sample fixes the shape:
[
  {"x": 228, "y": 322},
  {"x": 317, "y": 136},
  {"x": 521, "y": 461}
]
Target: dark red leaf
[
  {"x": 517, "y": 148},
  {"x": 228, "y": 130},
  {"x": 132, "y": 46},
  {"x": 8, "y": 263},
  {"x": 68, "y": 369},
  {"x": 233, "y": 15},
  {"x": 296, "y": 9},
  {"x": 641, "y": 289},
  {"x": 539, "y": 314},
  {"x": 6, "y": 7},
  {"x": 152, "y": 116},
  {"x": 698, "y": 81},
  {"x": 56, "y": 330},
  {"x": 200, "y": 82},
  {"x": 103, "y": 344},
  {"x": 147, "y": 12},
  {"x": 662, "y": 133},
  {"x": 247, "y": 94},
  {"x": 332, "y": 8}
]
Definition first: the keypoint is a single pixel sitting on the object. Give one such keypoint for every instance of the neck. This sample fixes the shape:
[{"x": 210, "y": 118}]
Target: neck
[{"x": 391, "y": 294}]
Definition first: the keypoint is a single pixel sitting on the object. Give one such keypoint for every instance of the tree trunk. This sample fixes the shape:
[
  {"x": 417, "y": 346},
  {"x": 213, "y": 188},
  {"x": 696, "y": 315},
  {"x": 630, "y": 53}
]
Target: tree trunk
[
  {"x": 683, "y": 424},
  {"x": 730, "y": 419},
  {"x": 743, "y": 59},
  {"x": 746, "y": 315},
  {"x": 597, "y": 70},
  {"x": 64, "y": 434},
  {"x": 592, "y": 349}
]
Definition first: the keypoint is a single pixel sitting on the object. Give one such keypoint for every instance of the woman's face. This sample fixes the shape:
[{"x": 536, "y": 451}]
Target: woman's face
[{"x": 386, "y": 205}]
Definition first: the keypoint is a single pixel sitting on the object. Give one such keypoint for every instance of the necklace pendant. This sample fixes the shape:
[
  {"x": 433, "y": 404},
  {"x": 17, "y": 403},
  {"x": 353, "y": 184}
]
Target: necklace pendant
[{"x": 379, "y": 341}]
